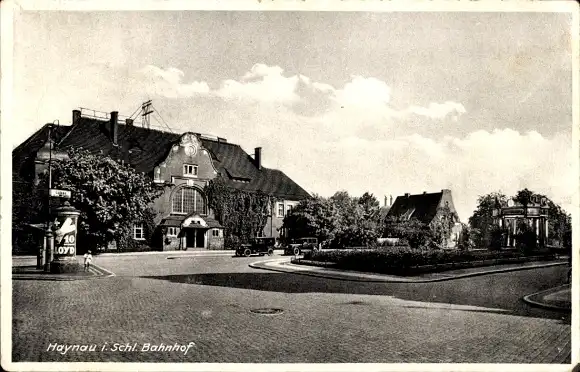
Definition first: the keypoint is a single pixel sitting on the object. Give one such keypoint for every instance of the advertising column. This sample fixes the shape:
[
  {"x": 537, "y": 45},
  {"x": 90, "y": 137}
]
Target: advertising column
[{"x": 65, "y": 240}]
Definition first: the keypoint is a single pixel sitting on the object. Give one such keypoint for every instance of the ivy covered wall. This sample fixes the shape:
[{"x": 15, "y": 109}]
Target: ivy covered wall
[{"x": 242, "y": 214}]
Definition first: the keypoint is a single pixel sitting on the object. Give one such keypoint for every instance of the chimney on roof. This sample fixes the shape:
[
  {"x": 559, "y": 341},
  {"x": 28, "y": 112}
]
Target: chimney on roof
[
  {"x": 407, "y": 195},
  {"x": 76, "y": 116},
  {"x": 129, "y": 122},
  {"x": 114, "y": 125},
  {"x": 258, "y": 157},
  {"x": 221, "y": 139},
  {"x": 424, "y": 192},
  {"x": 391, "y": 203}
]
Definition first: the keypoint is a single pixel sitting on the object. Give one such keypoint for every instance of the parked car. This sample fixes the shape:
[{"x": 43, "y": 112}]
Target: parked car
[
  {"x": 259, "y": 246},
  {"x": 298, "y": 246}
]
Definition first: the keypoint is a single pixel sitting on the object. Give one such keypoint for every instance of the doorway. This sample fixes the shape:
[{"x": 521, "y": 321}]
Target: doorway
[{"x": 195, "y": 238}]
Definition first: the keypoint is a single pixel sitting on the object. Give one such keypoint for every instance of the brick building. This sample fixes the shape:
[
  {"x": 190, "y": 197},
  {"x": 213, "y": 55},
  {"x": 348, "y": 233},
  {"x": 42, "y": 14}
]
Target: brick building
[{"x": 181, "y": 164}]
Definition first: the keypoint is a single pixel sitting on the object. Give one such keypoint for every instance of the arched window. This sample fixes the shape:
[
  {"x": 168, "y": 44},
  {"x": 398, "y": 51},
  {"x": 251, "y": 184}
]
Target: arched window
[{"x": 188, "y": 200}]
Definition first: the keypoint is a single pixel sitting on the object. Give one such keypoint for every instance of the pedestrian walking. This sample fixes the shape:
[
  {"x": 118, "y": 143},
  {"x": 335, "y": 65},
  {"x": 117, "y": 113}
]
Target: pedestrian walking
[{"x": 88, "y": 259}]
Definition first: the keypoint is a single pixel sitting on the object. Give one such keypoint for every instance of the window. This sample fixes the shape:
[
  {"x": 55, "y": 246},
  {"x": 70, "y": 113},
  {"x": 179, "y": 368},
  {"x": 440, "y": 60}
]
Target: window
[
  {"x": 280, "y": 209},
  {"x": 138, "y": 232},
  {"x": 172, "y": 231},
  {"x": 215, "y": 233},
  {"x": 190, "y": 170},
  {"x": 188, "y": 200},
  {"x": 288, "y": 209}
]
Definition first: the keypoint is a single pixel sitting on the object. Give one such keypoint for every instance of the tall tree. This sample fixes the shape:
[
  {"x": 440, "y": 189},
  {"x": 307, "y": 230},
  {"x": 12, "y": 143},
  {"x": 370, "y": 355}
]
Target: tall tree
[
  {"x": 524, "y": 197},
  {"x": 110, "y": 196},
  {"x": 370, "y": 205},
  {"x": 316, "y": 217},
  {"x": 482, "y": 220}
]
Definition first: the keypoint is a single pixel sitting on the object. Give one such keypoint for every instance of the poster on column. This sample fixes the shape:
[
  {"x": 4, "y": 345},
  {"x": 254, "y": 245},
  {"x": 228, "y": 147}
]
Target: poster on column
[{"x": 65, "y": 236}]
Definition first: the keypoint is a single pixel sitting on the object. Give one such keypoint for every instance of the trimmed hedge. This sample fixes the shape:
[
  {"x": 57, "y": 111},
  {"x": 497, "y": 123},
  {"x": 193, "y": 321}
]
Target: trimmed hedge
[{"x": 410, "y": 261}]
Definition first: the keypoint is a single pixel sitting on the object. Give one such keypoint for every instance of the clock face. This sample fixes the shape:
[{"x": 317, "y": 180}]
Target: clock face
[{"x": 190, "y": 150}]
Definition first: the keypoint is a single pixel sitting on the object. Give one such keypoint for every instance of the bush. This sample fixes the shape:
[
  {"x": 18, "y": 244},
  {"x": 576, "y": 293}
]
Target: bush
[
  {"x": 496, "y": 238},
  {"x": 405, "y": 260}
]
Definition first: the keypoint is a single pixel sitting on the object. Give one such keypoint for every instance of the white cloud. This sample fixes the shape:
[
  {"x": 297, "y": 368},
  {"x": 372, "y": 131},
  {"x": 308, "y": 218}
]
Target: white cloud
[
  {"x": 262, "y": 83},
  {"x": 439, "y": 110},
  {"x": 363, "y": 92},
  {"x": 169, "y": 83},
  {"x": 359, "y": 148},
  {"x": 470, "y": 166}
]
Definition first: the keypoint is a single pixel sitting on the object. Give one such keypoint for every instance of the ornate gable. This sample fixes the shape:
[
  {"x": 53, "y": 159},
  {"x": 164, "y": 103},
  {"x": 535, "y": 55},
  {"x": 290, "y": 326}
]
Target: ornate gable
[{"x": 187, "y": 159}]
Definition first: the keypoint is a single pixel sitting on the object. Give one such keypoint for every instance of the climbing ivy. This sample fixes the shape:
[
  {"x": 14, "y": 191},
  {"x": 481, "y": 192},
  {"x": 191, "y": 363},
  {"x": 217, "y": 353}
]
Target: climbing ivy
[{"x": 242, "y": 214}]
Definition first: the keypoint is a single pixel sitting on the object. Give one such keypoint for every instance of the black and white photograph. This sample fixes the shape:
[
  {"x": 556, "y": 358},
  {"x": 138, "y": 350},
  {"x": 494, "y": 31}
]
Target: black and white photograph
[{"x": 289, "y": 185}]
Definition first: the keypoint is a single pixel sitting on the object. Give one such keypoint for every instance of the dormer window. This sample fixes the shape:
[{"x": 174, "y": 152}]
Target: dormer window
[{"x": 190, "y": 170}]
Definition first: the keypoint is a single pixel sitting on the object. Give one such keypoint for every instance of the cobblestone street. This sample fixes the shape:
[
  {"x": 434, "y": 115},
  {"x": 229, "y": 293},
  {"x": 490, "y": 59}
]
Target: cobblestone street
[{"x": 208, "y": 301}]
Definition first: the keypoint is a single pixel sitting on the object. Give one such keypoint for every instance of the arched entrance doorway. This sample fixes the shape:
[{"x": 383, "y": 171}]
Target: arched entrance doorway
[{"x": 194, "y": 232}]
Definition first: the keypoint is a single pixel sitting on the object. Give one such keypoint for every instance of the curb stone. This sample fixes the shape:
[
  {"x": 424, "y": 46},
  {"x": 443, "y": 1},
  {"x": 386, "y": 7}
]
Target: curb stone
[
  {"x": 528, "y": 299},
  {"x": 358, "y": 276},
  {"x": 96, "y": 271}
]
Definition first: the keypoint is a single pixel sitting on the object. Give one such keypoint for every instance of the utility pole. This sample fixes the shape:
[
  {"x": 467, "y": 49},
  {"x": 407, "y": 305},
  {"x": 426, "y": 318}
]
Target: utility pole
[{"x": 145, "y": 112}]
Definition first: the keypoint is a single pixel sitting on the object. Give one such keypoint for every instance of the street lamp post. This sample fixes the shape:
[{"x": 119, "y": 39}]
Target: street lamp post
[{"x": 49, "y": 235}]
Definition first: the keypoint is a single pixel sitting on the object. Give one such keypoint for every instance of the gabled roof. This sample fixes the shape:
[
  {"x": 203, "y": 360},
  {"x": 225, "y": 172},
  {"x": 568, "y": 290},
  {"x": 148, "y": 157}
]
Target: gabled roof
[
  {"x": 145, "y": 148},
  {"x": 27, "y": 150},
  {"x": 421, "y": 206}
]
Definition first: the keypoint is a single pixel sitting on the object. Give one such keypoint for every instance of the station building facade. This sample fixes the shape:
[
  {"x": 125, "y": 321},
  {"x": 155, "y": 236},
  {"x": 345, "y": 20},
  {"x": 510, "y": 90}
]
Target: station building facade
[{"x": 180, "y": 164}]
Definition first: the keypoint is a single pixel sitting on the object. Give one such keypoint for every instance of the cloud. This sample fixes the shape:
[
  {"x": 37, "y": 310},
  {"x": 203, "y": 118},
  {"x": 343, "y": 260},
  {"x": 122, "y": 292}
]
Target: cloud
[
  {"x": 471, "y": 165},
  {"x": 169, "y": 83},
  {"x": 363, "y": 92},
  {"x": 330, "y": 138},
  {"x": 263, "y": 84},
  {"x": 360, "y": 97},
  {"x": 439, "y": 110},
  {"x": 350, "y": 137}
]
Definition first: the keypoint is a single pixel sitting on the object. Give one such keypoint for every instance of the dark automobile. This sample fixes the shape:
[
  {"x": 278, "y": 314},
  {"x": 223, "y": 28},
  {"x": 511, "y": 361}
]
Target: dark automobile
[
  {"x": 259, "y": 246},
  {"x": 298, "y": 246}
]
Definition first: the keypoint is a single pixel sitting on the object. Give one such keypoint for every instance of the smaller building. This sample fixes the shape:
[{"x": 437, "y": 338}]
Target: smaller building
[
  {"x": 512, "y": 216},
  {"x": 429, "y": 208}
]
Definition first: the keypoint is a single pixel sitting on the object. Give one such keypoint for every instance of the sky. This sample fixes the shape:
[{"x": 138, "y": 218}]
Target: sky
[{"x": 355, "y": 101}]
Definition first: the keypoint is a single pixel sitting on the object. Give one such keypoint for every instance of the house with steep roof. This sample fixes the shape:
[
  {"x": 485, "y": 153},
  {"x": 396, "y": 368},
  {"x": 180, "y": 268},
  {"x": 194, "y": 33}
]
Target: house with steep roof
[
  {"x": 181, "y": 164},
  {"x": 429, "y": 208}
]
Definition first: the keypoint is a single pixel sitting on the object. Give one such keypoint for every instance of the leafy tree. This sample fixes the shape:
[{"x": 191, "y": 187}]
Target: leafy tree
[
  {"x": 524, "y": 197},
  {"x": 317, "y": 217},
  {"x": 370, "y": 206},
  {"x": 496, "y": 237},
  {"x": 412, "y": 231},
  {"x": 465, "y": 238},
  {"x": 28, "y": 207},
  {"x": 559, "y": 225},
  {"x": 442, "y": 226},
  {"x": 110, "y": 196},
  {"x": 483, "y": 219},
  {"x": 341, "y": 220}
]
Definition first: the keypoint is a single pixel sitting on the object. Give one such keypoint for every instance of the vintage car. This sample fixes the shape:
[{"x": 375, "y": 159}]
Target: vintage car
[
  {"x": 298, "y": 246},
  {"x": 259, "y": 246}
]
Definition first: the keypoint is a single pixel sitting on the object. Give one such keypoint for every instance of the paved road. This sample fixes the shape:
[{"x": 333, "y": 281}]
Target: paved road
[{"x": 207, "y": 300}]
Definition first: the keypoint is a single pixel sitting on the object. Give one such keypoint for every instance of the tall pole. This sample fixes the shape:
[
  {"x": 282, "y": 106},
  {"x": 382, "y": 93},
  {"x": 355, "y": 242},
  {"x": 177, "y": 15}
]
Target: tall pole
[{"x": 49, "y": 174}]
